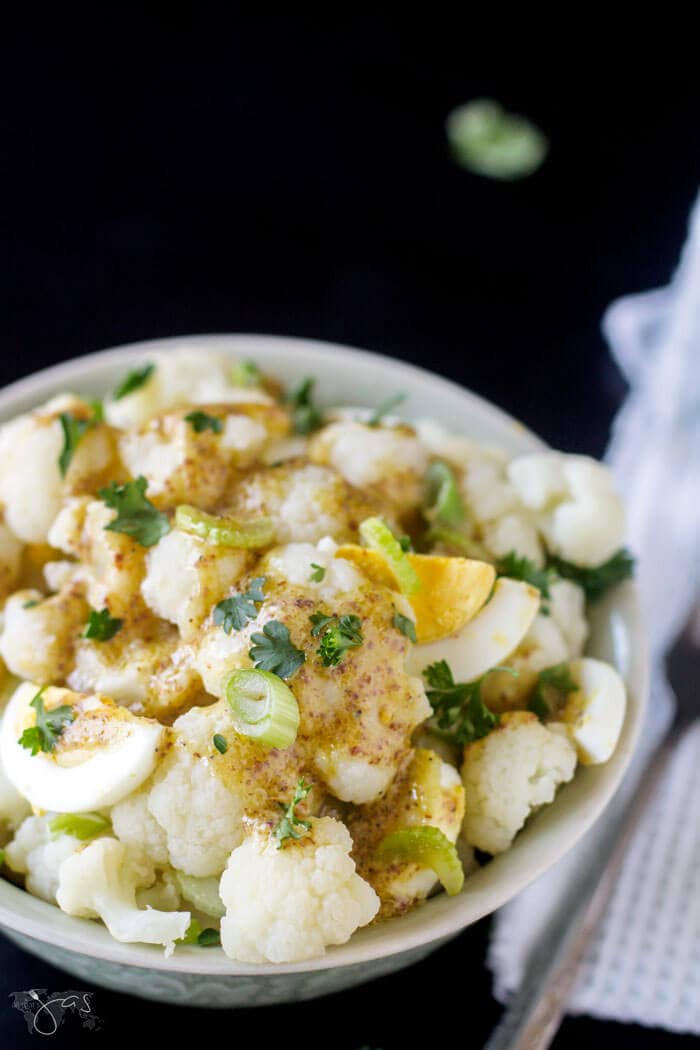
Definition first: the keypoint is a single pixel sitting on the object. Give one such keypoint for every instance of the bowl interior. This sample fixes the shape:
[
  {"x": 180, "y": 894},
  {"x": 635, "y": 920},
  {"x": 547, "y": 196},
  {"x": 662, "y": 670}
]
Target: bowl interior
[{"x": 348, "y": 376}]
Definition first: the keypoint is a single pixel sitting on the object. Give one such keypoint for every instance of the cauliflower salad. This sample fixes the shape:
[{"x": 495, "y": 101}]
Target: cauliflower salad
[{"x": 269, "y": 673}]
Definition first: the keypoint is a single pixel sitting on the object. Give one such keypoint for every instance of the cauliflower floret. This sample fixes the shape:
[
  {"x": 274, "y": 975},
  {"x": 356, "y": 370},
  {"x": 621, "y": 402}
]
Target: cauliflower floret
[
  {"x": 111, "y": 564},
  {"x": 186, "y": 376},
  {"x": 38, "y": 640},
  {"x": 305, "y": 501},
  {"x": 512, "y": 532},
  {"x": 183, "y": 465},
  {"x": 508, "y": 774},
  {"x": 138, "y": 829},
  {"x": 38, "y": 854},
  {"x": 392, "y": 459},
  {"x": 31, "y": 486},
  {"x": 294, "y": 562},
  {"x": 201, "y": 817},
  {"x": 486, "y": 488},
  {"x": 10, "y": 558},
  {"x": 426, "y": 791},
  {"x": 186, "y": 577},
  {"x": 150, "y": 673},
  {"x": 574, "y": 502},
  {"x": 99, "y": 883},
  {"x": 323, "y": 901}
]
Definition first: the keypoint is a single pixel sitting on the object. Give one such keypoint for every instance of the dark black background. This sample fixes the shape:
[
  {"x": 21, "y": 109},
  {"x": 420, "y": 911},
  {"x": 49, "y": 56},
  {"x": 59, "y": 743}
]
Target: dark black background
[{"x": 172, "y": 175}]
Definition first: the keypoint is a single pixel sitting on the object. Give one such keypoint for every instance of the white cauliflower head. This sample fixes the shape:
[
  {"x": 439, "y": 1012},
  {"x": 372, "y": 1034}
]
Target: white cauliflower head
[
  {"x": 391, "y": 458},
  {"x": 38, "y": 854},
  {"x": 99, "y": 882},
  {"x": 38, "y": 633},
  {"x": 288, "y": 904},
  {"x": 574, "y": 503},
  {"x": 31, "y": 485},
  {"x": 510, "y": 773},
  {"x": 111, "y": 564},
  {"x": 200, "y": 816},
  {"x": 186, "y": 577},
  {"x": 138, "y": 829}
]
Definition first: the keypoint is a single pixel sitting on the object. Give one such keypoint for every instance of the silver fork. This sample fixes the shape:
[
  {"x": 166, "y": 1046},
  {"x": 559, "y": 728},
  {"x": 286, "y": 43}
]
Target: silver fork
[{"x": 533, "y": 1017}]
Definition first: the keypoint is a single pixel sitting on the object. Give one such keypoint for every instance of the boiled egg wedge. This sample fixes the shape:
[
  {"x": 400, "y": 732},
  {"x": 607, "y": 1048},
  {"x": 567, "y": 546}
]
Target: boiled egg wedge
[
  {"x": 487, "y": 639},
  {"x": 594, "y": 713},
  {"x": 100, "y": 756}
]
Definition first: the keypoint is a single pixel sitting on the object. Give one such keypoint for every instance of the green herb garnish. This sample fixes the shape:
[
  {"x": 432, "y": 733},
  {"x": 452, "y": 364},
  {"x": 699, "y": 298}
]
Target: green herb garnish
[
  {"x": 32, "y": 603},
  {"x": 458, "y": 708},
  {"x": 273, "y": 650},
  {"x": 101, "y": 626},
  {"x": 286, "y": 829},
  {"x": 219, "y": 743},
  {"x": 234, "y": 613},
  {"x": 209, "y": 938},
  {"x": 49, "y": 725},
  {"x": 318, "y": 573},
  {"x": 136, "y": 515},
  {"x": 406, "y": 626},
  {"x": 74, "y": 430},
  {"x": 338, "y": 634},
  {"x": 516, "y": 567},
  {"x": 305, "y": 416},
  {"x": 200, "y": 422},
  {"x": 596, "y": 581},
  {"x": 384, "y": 409},
  {"x": 557, "y": 679},
  {"x": 133, "y": 381}
]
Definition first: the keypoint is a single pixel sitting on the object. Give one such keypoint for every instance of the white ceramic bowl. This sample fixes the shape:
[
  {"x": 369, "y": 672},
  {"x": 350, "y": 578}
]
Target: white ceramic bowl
[{"x": 204, "y": 976}]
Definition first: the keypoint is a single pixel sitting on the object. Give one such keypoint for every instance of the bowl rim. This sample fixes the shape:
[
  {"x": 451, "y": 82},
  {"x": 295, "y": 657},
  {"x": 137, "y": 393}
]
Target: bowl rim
[{"x": 441, "y": 917}]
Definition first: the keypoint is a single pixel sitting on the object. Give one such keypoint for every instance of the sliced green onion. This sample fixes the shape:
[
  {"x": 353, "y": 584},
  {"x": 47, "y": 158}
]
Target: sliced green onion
[
  {"x": 245, "y": 373},
  {"x": 191, "y": 933},
  {"x": 224, "y": 532},
  {"x": 443, "y": 502},
  {"x": 429, "y": 847},
  {"x": 377, "y": 535},
  {"x": 263, "y": 707},
  {"x": 82, "y": 825},
  {"x": 202, "y": 893}
]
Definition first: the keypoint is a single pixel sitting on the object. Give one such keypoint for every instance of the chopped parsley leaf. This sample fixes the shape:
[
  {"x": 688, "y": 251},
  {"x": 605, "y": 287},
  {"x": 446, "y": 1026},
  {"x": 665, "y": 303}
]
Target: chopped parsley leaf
[
  {"x": 305, "y": 416},
  {"x": 596, "y": 581},
  {"x": 101, "y": 626},
  {"x": 459, "y": 710},
  {"x": 406, "y": 626},
  {"x": 133, "y": 381},
  {"x": 49, "y": 725},
  {"x": 318, "y": 573},
  {"x": 274, "y": 651},
  {"x": 338, "y": 634},
  {"x": 234, "y": 613},
  {"x": 286, "y": 829},
  {"x": 200, "y": 422},
  {"x": 136, "y": 515},
  {"x": 557, "y": 679},
  {"x": 219, "y": 743},
  {"x": 74, "y": 430}
]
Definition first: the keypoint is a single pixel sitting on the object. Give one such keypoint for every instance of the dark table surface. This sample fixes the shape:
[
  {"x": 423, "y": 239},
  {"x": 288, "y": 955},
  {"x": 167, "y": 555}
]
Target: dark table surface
[{"x": 285, "y": 175}]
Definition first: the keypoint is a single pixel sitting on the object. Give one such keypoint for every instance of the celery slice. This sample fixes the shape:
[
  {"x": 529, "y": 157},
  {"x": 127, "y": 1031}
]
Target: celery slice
[
  {"x": 224, "y": 532},
  {"x": 376, "y": 534},
  {"x": 428, "y": 846}
]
